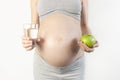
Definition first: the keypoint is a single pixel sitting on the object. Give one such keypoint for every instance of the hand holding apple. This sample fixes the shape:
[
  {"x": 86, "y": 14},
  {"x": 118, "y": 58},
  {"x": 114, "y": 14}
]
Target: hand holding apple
[
  {"x": 89, "y": 40},
  {"x": 88, "y": 43}
]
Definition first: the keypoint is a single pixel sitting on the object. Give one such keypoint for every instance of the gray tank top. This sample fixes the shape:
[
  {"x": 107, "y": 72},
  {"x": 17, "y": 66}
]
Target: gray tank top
[{"x": 69, "y": 7}]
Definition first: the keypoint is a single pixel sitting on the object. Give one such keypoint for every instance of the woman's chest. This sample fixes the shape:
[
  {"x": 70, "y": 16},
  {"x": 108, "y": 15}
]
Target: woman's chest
[{"x": 45, "y": 6}]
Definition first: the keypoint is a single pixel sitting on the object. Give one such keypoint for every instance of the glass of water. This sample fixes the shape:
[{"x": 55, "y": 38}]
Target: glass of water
[{"x": 31, "y": 31}]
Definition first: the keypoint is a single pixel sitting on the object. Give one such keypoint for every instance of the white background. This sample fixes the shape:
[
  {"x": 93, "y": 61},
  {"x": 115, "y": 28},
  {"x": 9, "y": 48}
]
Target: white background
[{"x": 102, "y": 64}]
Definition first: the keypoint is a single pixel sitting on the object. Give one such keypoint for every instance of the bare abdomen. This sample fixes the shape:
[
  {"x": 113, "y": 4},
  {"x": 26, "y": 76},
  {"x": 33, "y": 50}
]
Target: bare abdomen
[{"x": 60, "y": 34}]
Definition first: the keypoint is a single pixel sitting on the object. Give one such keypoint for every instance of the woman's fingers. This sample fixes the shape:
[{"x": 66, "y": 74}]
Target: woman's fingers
[
  {"x": 85, "y": 47},
  {"x": 81, "y": 45},
  {"x": 96, "y": 44},
  {"x": 27, "y": 43},
  {"x": 29, "y": 48}
]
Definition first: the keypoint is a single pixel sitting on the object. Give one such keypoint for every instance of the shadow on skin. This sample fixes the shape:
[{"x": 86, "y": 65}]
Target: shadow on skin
[
  {"x": 41, "y": 44},
  {"x": 74, "y": 46}
]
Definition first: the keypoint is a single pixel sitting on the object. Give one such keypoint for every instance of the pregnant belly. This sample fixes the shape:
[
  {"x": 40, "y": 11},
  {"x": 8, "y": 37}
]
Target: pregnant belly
[{"x": 60, "y": 34}]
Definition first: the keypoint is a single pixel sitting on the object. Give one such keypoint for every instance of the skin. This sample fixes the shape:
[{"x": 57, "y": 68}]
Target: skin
[
  {"x": 28, "y": 43},
  {"x": 84, "y": 26}
]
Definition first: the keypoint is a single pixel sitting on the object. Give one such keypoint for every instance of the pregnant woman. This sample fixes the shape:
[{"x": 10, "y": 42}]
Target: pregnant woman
[{"x": 59, "y": 53}]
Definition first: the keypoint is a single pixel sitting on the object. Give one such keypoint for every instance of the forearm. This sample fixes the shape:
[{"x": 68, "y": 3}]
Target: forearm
[
  {"x": 84, "y": 18},
  {"x": 34, "y": 14},
  {"x": 84, "y": 22},
  {"x": 85, "y": 29},
  {"x": 34, "y": 20}
]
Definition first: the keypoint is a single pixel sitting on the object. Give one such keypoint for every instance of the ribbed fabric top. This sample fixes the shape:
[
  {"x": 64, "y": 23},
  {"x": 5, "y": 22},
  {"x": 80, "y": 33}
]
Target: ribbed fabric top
[{"x": 69, "y": 7}]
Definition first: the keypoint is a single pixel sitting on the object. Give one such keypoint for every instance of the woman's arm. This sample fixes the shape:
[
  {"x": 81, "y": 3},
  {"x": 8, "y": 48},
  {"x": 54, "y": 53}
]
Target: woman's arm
[
  {"x": 34, "y": 14},
  {"x": 26, "y": 41},
  {"x": 84, "y": 18},
  {"x": 84, "y": 26}
]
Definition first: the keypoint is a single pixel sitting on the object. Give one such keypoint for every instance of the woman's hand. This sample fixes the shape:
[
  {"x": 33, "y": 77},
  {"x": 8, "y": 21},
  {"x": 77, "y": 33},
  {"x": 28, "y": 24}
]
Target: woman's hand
[
  {"x": 27, "y": 43},
  {"x": 86, "y": 48}
]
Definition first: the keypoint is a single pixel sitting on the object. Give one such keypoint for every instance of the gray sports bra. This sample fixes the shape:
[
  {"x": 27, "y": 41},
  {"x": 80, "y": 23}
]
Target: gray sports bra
[{"x": 69, "y": 7}]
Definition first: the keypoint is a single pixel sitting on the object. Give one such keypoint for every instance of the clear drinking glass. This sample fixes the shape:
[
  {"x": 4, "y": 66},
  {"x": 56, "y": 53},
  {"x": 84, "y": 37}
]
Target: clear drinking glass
[{"x": 31, "y": 31}]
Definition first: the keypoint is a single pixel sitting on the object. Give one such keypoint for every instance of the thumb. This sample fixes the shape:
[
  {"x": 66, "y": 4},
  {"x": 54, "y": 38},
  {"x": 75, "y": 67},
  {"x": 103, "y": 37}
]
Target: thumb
[{"x": 38, "y": 40}]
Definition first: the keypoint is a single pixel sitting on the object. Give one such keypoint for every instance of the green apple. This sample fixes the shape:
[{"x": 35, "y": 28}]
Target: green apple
[{"x": 88, "y": 39}]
